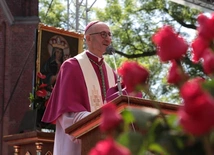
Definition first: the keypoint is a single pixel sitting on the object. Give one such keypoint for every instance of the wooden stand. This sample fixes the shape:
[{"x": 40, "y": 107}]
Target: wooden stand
[
  {"x": 87, "y": 129},
  {"x": 31, "y": 143}
]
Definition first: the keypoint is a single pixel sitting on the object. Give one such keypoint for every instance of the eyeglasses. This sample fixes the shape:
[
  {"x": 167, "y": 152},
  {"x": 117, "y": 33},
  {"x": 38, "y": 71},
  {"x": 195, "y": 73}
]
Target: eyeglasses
[{"x": 103, "y": 34}]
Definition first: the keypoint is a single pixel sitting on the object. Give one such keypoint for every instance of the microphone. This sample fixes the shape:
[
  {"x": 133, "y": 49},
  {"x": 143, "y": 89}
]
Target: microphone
[{"x": 111, "y": 51}]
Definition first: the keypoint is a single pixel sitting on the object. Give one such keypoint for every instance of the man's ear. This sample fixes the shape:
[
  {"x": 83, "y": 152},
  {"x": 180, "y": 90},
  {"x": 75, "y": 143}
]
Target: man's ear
[{"x": 88, "y": 38}]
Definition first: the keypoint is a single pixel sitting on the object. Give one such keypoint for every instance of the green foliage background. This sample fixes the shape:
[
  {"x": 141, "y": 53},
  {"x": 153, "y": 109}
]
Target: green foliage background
[{"x": 133, "y": 22}]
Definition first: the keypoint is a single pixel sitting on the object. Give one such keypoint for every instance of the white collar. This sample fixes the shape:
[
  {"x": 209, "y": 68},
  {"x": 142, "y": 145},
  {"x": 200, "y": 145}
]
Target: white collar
[{"x": 99, "y": 59}]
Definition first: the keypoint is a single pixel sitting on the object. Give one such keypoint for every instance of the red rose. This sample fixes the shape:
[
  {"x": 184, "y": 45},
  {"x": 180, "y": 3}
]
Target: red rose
[
  {"x": 133, "y": 75},
  {"x": 41, "y": 76},
  {"x": 197, "y": 109},
  {"x": 196, "y": 115},
  {"x": 198, "y": 47},
  {"x": 41, "y": 93},
  {"x": 206, "y": 25},
  {"x": 109, "y": 147},
  {"x": 208, "y": 63},
  {"x": 110, "y": 118},
  {"x": 170, "y": 45},
  {"x": 191, "y": 89},
  {"x": 176, "y": 75}
]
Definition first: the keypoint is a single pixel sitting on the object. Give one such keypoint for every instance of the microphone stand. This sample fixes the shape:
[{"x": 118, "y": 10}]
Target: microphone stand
[
  {"x": 111, "y": 50},
  {"x": 119, "y": 85}
]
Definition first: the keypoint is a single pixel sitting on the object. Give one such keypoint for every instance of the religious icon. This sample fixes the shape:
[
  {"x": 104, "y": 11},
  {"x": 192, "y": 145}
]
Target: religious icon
[{"x": 54, "y": 46}]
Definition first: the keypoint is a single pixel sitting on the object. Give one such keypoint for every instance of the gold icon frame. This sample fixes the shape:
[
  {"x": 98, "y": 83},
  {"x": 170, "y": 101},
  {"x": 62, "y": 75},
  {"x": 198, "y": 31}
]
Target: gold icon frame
[{"x": 45, "y": 35}]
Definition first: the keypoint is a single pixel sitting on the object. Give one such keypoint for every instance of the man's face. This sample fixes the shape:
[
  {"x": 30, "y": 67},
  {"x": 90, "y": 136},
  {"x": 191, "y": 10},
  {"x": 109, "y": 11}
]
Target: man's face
[{"x": 99, "y": 39}]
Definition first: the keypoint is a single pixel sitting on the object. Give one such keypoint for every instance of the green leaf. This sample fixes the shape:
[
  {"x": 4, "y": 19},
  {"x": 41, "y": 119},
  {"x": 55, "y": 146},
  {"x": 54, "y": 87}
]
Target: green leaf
[
  {"x": 155, "y": 147},
  {"x": 31, "y": 97},
  {"x": 127, "y": 116},
  {"x": 209, "y": 86},
  {"x": 132, "y": 140},
  {"x": 128, "y": 119},
  {"x": 173, "y": 122}
]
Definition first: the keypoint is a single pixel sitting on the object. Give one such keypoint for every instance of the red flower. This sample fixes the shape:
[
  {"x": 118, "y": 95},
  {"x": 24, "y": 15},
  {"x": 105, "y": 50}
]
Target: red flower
[
  {"x": 192, "y": 89},
  {"x": 198, "y": 46},
  {"x": 176, "y": 75},
  {"x": 43, "y": 85},
  {"x": 196, "y": 115},
  {"x": 170, "y": 45},
  {"x": 198, "y": 108},
  {"x": 206, "y": 25},
  {"x": 110, "y": 118},
  {"x": 41, "y": 93},
  {"x": 109, "y": 147},
  {"x": 208, "y": 63},
  {"x": 133, "y": 75},
  {"x": 41, "y": 76}
]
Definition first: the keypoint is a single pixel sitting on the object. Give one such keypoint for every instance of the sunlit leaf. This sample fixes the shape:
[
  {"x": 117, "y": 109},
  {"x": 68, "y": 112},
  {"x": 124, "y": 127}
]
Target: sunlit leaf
[{"x": 154, "y": 147}]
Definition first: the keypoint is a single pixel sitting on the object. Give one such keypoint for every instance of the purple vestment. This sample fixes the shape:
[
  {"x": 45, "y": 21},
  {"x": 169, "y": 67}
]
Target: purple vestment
[{"x": 70, "y": 92}]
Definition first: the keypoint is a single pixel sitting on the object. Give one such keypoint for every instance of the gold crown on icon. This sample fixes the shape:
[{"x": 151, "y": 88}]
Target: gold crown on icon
[{"x": 58, "y": 41}]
